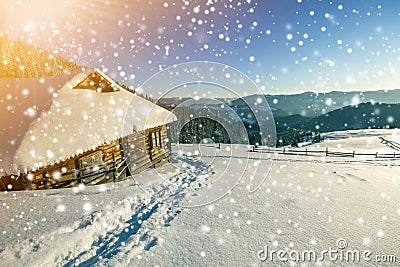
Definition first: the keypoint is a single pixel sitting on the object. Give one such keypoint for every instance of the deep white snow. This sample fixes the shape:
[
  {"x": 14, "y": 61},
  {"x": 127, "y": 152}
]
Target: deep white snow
[{"x": 308, "y": 202}]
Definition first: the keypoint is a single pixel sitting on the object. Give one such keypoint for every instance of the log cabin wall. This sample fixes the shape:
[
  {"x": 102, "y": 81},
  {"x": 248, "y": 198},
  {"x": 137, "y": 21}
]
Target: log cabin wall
[
  {"x": 79, "y": 169},
  {"x": 13, "y": 182},
  {"x": 148, "y": 148},
  {"x": 136, "y": 152},
  {"x": 158, "y": 147}
]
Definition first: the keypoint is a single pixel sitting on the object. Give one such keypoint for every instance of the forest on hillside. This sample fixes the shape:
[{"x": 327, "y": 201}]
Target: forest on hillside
[
  {"x": 22, "y": 60},
  {"x": 195, "y": 130}
]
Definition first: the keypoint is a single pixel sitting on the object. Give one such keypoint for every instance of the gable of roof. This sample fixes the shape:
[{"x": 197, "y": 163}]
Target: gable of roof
[{"x": 96, "y": 81}]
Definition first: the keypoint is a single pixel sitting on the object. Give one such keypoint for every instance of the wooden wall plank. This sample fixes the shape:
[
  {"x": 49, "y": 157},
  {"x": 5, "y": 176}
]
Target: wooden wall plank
[{"x": 140, "y": 157}]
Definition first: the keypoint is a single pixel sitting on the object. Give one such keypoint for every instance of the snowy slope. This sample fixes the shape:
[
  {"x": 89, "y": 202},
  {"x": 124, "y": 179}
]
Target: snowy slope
[{"x": 307, "y": 203}]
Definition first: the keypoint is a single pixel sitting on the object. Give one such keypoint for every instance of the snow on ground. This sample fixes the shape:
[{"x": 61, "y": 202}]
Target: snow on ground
[
  {"x": 365, "y": 141},
  {"x": 308, "y": 202}
]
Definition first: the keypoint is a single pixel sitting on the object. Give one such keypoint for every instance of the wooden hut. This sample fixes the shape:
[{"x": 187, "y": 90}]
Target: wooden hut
[{"x": 95, "y": 131}]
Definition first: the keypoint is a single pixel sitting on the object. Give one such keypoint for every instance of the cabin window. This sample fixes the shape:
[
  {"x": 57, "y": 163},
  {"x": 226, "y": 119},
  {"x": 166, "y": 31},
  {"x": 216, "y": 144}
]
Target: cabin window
[
  {"x": 91, "y": 160},
  {"x": 155, "y": 139},
  {"x": 40, "y": 176}
]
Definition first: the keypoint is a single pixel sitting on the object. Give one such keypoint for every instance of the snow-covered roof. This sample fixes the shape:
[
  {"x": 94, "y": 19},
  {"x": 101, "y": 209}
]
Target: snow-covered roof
[{"x": 82, "y": 119}]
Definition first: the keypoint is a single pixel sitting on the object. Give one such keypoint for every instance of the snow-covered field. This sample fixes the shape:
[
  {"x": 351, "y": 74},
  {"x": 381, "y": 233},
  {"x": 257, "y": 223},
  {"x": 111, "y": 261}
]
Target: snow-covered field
[{"x": 308, "y": 202}]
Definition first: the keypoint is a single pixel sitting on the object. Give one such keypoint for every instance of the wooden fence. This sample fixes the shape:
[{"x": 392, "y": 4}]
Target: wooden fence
[
  {"x": 109, "y": 171},
  {"x": 325, "y": 152}
]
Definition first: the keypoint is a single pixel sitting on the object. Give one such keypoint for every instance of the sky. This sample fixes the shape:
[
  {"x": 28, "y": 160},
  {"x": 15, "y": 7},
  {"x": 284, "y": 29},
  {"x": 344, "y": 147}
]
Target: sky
[{"x": 285, "y": 46}]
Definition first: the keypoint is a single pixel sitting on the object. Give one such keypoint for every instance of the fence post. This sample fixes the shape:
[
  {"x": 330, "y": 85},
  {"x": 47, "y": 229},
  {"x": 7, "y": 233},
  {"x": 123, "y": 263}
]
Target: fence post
[
  {"x": 115, "y": 169},
  {"x": 376, "y": 155},
  {"x": 326, "y": 151},
  {"x": 284, "y": 150},
  {"x": 394, "y": 154},
  {"x": 77, "y": 171},
  {"x": 306, "y": 151},
  {"x": 354, "y": 153}
]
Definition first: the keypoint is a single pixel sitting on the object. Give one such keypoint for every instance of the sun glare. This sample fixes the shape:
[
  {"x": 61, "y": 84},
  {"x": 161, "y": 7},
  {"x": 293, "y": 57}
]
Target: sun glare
[{"x": 33, "y": 16}]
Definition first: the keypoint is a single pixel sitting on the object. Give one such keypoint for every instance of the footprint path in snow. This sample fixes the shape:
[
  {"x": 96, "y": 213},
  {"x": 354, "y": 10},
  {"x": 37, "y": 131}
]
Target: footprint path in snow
[{"x": 141, "y": 231}]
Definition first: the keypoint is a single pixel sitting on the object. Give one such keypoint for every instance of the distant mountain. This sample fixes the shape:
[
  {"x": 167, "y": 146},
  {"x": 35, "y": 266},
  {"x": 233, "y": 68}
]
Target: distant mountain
[
  {"x": 311, "y": 104},
  {"x": 277, "y": 112},
  {"x": 307, "y": 104},
  {"x": 236, "y": 104},
  {"x": 296, "y": 120},
  {"x": 22, "y": 60},
  {"x": 362, "y": 116},
  {"x": 174, "y": 101}
]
